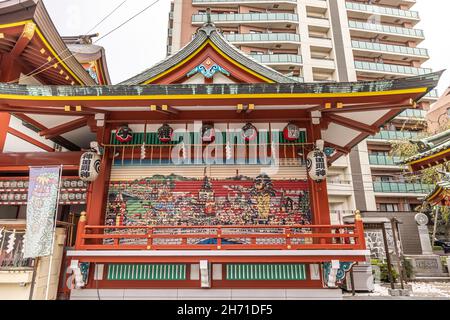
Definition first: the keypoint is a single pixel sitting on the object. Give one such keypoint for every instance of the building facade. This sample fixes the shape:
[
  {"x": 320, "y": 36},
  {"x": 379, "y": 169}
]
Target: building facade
[{"x": 327, "y": 41}]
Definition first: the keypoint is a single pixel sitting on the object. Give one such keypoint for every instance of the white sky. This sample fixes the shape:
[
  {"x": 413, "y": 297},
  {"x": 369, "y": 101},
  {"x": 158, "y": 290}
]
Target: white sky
[{"x": 142, "y": 42}]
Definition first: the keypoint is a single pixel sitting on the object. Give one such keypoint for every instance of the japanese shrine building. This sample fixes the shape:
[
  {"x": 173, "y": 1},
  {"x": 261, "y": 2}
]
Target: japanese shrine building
[{"x": 203, "y": 188}]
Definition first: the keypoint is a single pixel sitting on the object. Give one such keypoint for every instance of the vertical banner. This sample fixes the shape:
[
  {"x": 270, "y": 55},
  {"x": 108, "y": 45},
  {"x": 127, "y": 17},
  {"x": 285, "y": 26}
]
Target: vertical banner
[{"x": 41, "y": 210}]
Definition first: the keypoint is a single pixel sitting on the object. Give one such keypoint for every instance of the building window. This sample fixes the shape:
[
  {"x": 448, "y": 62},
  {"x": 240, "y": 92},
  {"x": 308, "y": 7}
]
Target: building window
[
  {"x": 388, "y": 207},
  {"x": 383, "y": 179}
]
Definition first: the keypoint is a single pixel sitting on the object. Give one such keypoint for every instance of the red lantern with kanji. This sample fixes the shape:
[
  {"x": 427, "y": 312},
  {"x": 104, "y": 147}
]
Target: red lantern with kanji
[
  {"x": 165, "y": 133},
  {"x": 291, "y": 132},
  {"x": 249, "y": 132},
  {"x": 208, "y": 133}
]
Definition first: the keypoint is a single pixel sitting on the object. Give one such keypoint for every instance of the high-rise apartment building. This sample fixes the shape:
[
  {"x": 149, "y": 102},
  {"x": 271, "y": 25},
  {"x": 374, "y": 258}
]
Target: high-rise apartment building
[{"x": 332, "y": 40}]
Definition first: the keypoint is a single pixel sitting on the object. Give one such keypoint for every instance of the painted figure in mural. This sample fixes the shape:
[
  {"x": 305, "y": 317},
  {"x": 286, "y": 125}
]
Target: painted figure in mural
[
  {"x": 206, "y": 197},
  {"x": 263, "y": 190}
]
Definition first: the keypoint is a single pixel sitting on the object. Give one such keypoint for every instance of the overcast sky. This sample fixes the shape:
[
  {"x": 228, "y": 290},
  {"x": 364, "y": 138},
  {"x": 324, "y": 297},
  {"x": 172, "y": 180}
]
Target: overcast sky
[{"x": 142, "y": 42}]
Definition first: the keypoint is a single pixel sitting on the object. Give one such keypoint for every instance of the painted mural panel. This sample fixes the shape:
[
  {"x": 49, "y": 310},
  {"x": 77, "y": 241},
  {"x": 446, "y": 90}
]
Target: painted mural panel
[{"x": 176, "y": 200}]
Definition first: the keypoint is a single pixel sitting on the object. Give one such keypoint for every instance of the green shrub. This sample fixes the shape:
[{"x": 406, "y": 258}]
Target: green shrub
[
  {"x": 384, "y": 273},
  {"x": 408, "y": 268}
]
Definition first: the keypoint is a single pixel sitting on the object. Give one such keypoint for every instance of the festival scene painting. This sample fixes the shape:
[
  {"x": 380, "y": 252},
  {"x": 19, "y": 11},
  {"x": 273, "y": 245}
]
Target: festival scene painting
[{"x": 178, "y": 201}]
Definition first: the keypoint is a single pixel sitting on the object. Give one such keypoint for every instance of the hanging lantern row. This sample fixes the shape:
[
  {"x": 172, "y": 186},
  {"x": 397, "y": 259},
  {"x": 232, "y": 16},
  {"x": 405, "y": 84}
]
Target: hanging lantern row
[
  {"x": 291, "y": 132},
  {"x": 249, "y": 132},
  {"x": 124, "y": 134}
]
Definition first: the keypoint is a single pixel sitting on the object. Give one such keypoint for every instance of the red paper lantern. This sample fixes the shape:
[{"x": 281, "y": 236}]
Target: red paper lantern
[
  {"x": 124, "y": 134},
  {"x": 291, "y": 132},
  {"x": 208, "y": 133},
  {"x": 165, "y": 133},
  {"x": 249, "y": 132}
]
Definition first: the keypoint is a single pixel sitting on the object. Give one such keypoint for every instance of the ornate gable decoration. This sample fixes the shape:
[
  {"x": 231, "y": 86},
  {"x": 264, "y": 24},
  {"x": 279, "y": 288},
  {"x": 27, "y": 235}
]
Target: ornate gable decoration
[{"x": 208, "y": 69}]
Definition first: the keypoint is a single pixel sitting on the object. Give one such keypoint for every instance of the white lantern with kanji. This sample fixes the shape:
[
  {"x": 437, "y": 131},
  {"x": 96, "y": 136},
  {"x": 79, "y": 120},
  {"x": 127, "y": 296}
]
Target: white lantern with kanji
[
  {"x": 89, "y": 166},
  {"x": 316, "y": 164}
]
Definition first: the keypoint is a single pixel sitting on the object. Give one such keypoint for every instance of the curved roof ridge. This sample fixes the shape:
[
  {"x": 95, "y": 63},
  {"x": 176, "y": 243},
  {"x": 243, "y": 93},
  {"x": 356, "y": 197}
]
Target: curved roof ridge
[{"x": 208, "y": 31}]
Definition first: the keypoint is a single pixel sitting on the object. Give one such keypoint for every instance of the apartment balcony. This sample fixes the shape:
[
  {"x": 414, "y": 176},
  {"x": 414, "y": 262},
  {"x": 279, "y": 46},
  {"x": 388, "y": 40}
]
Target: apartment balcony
[
  {"x": 403, "y": 188},
  {"x": 275, "y": 20},
  {"x": 298, "y": 79},
  {"x": 412, "y": 114},
  {"x": 393, "y": 33},
  {"x": 283, "y": 4},
  {"x": 373, "y": 49},
  {"x": 389, "y": 69},
  {"x": 338, "y": 187},
  {"x": 322, "y": 42},
  {"x": 388, "y": 14},
  {"x": 291, "y": 40},
  {"x": 431, "y": 96},
  {"x": 318, "y": 22},
  {"x": 278, "y": 59},
  {"x": 317, "y": 3},
  {"x": 385, "y": 162},
  {"x": 323, "y": 64},
  {"x": 396, "y": 3},
  {"x": 394, "y": 135}
]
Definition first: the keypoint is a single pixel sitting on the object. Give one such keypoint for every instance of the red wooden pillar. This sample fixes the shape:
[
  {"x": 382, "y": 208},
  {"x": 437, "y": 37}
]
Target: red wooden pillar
[
  {"x": 9, "y": 72},
  {"x": 98, "y": 190},
  {"x": 318, "y": 190}
]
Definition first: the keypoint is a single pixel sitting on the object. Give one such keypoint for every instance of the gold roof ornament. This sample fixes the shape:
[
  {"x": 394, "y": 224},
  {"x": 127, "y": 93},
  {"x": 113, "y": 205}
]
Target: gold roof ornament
[{"x": 358, "y": 216}]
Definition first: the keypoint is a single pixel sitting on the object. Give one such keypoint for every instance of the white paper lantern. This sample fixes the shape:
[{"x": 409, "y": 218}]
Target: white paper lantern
[
  {"x": 89, "y": 166},
  {"x": 316, "y": 164}
]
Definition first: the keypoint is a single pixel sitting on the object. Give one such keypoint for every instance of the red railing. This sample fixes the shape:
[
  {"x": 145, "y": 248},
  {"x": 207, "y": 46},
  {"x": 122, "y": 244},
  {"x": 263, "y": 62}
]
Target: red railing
[{"x": 255, "y": 237}]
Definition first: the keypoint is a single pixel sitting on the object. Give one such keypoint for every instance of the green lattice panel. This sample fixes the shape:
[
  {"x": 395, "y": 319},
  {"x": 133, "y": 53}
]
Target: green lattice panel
[
  {"x": 266, "y": 272},
  {"x": 146, "y": 272}
]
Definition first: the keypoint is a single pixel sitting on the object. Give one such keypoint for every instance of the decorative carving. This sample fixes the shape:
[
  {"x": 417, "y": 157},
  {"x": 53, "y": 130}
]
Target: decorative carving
[
  {"x": 421, "y": 219},
  {"x": 208, "y": 69},
  {"x": 335, "y": 271}
]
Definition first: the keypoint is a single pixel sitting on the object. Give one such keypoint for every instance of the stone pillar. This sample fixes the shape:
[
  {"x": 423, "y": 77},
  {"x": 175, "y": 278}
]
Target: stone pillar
[{"x": 425, "y": 242}]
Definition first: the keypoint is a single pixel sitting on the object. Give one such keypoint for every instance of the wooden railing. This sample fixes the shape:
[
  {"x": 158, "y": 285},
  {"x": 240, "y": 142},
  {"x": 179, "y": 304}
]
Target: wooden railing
[{"x": 255, "y": 237}]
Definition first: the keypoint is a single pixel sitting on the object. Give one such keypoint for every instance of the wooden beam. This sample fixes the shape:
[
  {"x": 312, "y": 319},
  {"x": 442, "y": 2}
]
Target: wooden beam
[
  {"x": 403, "y": 104},
  {"x": 64, "y": 128},
  {"x": 30, "y": 140},
  {"x": 25, "y": 159},
  {"x": 213, "y": 116},
  {"x": 340, "y": 149},
  {"x": 166, "y": 109},
  {"x": 24, "y": 39},
  {"x": 41, "y": 110},
  {"x": 250, "y": 108},
  {"x": 37, "y": 126},
  {"x": 351, "y": 124}
]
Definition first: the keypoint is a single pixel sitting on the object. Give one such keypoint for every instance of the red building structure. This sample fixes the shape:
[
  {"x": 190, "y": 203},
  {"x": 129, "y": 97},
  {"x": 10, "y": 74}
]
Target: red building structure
[{"x": 174, "y": 212}]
